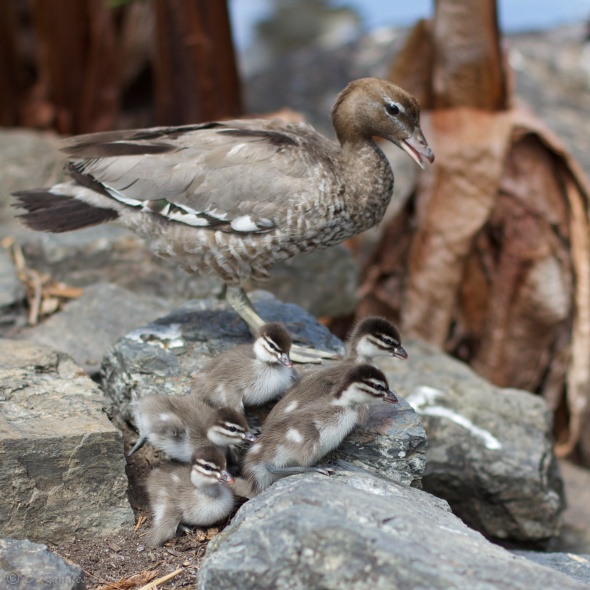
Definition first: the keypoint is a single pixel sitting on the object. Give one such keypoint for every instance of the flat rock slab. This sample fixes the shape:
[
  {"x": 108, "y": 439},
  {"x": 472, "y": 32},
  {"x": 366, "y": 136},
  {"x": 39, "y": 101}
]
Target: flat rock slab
[
  {"x": 490, "y": 451},
  {"x": 570, "y": 564},
  {"x": 63, "y": 470},
  {"x": 354, "y": 530},
  {"x": 163, "y": 357},
  {"x": 30, "y": 566},
  {"x": 90, "y": 325}
]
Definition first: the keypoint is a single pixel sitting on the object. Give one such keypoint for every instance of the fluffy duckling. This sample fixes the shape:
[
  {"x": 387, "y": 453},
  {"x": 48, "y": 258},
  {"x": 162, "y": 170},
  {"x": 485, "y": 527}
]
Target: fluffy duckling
[
  {"x": 293, "y": 443},
  {"x": 249, "y": 375},
  {"x": 371, "y": 337},
  {"x": 194, "y": 494},
  {"x": 178, "y": 425}
]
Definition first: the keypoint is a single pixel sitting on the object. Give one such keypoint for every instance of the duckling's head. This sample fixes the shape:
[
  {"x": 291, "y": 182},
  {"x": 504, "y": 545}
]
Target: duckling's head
[
  {"x": 373, "y": 107},
  {"x": 375, "y": 336},
  {"x": 273, "y": 344},
  {"x": 364, "y": 384},
  {"x": 208, "y": 467},
  {"x": 228, "y": 427}
]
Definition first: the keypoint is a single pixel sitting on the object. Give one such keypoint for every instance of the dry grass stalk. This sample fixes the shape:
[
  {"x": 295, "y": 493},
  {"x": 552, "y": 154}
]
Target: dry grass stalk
[{"x": 45, "y": 296}]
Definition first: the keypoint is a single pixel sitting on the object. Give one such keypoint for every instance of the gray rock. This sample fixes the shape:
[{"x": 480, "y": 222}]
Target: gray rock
[
  {"x": 90, "y": 325},
  {"x": 63, "y": 470},
  {"x": 30, "y": 566},
  {"x": 392, "y": 443},
  {"x": 11, "y": 289},
  {"x": 574, "y": 536},
  {"x": 574, "y": 566},
  {"x": 490, "y": 452},
  {"x": 354, "y": 530}
]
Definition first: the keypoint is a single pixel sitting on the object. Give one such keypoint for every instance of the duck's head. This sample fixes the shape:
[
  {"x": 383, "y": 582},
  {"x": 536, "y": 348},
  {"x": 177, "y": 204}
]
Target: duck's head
[
  {"x": 371, "y": 107},
  {"x": 208, "y": 467},
  {"x": 273, "y": 344},
  {"x": 228, "y": 427},
  {"x": 364, "y": 384},
  {"x": 375, "y": 336}
]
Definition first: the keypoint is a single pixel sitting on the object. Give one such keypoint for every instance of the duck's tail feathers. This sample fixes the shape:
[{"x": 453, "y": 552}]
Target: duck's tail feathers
[{"x": 55, "y": 213}]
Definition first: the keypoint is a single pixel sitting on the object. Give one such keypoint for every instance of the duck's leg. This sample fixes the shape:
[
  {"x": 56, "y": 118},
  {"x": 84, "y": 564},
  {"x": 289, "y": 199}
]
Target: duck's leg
[
  {"x": 294, "y": 469},
  {"x": 237, "y": 298}
]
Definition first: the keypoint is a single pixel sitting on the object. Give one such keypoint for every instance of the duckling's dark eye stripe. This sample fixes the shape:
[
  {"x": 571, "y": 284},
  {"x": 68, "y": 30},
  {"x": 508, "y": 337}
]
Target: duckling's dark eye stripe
[
  {"x": 384, "y": 344},
  {"x": 233, "y": 427},
  {"x": 272, "y": 345}
]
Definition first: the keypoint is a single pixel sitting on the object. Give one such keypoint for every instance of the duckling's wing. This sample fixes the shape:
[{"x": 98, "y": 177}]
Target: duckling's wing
[{"x": 234, "y": 175}]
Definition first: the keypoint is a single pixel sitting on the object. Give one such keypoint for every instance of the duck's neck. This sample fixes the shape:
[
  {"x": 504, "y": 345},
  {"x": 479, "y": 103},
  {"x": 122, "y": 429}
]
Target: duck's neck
[{"x": 369, "y": 177}]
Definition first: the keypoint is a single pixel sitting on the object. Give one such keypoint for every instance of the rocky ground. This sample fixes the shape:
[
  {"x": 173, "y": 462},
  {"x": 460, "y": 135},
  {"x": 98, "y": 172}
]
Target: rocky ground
[{"x": 104, "y": 301}]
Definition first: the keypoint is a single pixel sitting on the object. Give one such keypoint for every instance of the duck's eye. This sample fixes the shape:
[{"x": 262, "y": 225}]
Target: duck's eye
[
  {"x": 392, "y": 108},
  {"x": 207, "y": 467},
  {"x": 272, "y": 346},
  {"x": 232, "y": 429}
]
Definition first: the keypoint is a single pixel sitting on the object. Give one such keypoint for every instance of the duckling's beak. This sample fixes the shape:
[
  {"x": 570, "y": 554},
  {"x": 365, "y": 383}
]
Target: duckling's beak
[
  {"x": 284, "y": 358},
  {"x": 416, "y": 147},
  {"x": 249, "y": 437},
  {"x": 226, "y": 477},
  {"x": 390, "y": 397},
  {"x": 399, "y": 352}
]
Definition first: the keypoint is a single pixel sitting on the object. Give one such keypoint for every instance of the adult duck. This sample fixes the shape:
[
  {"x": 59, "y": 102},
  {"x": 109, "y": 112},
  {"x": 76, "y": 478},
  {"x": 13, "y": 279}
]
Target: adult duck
[{"x": 235, "y": 197}]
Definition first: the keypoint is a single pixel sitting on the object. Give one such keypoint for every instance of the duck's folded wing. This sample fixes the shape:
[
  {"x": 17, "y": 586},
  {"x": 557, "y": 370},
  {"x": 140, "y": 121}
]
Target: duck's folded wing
[{"x": 238, "y": 173}]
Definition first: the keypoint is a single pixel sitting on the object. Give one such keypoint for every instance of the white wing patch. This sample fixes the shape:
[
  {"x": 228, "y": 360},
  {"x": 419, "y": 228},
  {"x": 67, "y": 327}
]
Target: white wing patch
[{"x": 294, "y": 435}]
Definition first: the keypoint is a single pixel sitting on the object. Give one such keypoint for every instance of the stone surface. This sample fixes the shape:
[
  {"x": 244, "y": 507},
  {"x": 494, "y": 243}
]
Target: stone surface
[
  {"x": 392, "y": 443},
  {"x": 574, "y": 535},
  {"x": 11, "y": 289},
  {"x": 490, "y": 452},
  {"x": 162, "y": 357},
  {"x": 63, "y": 470},
  {"x": 87, "y": 327},
  {"x": 30, "y": 566},
  {"x": 574, "y": 566},
  {"x": 354, "y": 530}
]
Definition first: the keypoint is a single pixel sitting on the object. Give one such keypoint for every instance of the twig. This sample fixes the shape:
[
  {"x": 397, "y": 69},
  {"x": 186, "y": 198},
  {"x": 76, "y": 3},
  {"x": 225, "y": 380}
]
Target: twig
[
  {"x": 139, "y": 522},
  {"x": 153, "y": 585}
]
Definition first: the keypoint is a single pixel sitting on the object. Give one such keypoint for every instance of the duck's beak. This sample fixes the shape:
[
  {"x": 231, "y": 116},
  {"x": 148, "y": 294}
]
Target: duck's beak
[
  {"x": 390, "y": 397},
  {"x": 399, "y": 352},
  {"x": 416, "y": 147},
  {"x": 284, "y": 358},
  {"x": 249, "y": 437},
  {"x": 226, "y": 476}
]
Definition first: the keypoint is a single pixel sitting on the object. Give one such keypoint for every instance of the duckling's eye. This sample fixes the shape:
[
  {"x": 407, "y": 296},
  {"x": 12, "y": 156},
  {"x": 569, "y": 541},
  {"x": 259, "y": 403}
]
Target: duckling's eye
[
  {"x": 232, "y": 429},
  {"x": 272, "y": 346},
  {"x": 207, "y": 467},
  {"x": 392, "y": 108}
]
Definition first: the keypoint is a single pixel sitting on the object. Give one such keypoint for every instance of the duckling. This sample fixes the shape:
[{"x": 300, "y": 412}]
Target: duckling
[
  {"x": 233, "y": 198},
  {"x": 249, "y": 375},
  {"x": 371, "y": 337},
  {"x": 178, "y": 425},
  {"x": 194, "y": 494},
  {"x": 293, "y": 443}
]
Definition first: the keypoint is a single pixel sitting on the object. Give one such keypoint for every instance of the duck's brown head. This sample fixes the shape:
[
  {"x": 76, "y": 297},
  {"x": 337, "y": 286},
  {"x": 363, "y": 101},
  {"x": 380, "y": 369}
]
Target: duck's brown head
[{"x": 371, "y": 107}]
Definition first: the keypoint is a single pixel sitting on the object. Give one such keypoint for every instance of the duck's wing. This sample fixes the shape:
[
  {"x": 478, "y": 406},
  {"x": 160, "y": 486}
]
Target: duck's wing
[{"x": 236, "y": 174}]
